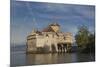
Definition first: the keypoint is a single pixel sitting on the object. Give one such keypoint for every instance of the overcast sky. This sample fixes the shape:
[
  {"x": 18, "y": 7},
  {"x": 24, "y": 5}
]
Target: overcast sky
[{"x": 26, "y": 16}]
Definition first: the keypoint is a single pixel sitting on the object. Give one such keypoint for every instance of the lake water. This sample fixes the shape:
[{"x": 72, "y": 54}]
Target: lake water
[{"x": 19, "y": 58}]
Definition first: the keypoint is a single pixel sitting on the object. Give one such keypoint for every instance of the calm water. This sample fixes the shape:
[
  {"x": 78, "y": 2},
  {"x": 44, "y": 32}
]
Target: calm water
[{"x": 19, "y": 58}]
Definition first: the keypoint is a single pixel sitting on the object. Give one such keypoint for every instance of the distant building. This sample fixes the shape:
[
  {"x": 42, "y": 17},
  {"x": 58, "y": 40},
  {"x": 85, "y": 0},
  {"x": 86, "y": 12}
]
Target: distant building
[{"x": 50, "y": 39}]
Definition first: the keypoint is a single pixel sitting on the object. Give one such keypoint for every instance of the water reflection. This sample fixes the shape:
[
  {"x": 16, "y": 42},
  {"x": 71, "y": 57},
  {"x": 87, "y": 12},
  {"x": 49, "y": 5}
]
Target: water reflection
[
  {"x": 18, "y": 59},
  {"x": 56, "y": 58},
  {"x": 47, "y": 58}
]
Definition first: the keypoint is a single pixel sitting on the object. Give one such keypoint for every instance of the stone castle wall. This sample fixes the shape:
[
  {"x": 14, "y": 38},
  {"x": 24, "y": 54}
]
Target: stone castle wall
[{"x": 49, "y": 41}]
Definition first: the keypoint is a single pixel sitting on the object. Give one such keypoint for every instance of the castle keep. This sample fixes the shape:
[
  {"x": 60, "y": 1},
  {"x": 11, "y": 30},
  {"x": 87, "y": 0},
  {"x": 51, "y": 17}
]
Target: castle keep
[{"x": 50, "y": 39}]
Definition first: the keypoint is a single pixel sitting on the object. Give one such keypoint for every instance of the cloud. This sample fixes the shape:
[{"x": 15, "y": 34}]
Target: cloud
[{"x": 29, "y": 15}]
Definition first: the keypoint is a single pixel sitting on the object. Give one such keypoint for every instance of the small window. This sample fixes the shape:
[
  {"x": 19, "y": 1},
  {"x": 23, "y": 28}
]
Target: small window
[
  {"x": 47, "y": 35},
  {"x": 64, "y": 38}
]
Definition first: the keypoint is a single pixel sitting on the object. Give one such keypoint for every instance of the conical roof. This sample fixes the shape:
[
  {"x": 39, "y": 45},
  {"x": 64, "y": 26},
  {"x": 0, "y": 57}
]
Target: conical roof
[
  {"x": 54, "y": 24},
  {"x": 33, "y": 32}
]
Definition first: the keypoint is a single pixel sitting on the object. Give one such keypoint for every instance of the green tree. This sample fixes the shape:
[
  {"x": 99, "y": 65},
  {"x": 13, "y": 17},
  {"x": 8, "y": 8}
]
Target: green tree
[
  {"x": 85, "y": 40},
  {"x": 91, "y": 45},
  {"x": 81, "y": 37}
]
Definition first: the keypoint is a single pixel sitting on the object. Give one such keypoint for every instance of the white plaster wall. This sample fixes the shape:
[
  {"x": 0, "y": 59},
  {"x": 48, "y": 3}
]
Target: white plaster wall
[{"x": 40, "y": 41}]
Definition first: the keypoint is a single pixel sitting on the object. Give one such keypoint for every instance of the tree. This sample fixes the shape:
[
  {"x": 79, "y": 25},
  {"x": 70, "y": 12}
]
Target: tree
[
  {"x": 85, "y": 40},
  {"x": 81, "y": 37},
  {"x": 91, "y": 45}
]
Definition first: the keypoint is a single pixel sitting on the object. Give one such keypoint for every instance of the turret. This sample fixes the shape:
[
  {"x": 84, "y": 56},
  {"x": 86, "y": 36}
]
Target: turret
[{"x": 55, "y": 27}]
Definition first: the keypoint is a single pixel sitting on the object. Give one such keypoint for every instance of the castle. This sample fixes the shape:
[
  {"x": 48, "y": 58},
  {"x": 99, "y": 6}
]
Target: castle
[{"x": 50, "y": 39}]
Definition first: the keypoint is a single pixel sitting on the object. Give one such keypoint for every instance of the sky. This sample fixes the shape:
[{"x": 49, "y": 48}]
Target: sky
[{"x": 26, "y": 16}]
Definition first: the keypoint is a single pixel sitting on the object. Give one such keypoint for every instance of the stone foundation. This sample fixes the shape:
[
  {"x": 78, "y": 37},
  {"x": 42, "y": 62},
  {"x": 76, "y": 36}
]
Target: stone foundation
[{"x": 60, "y": 48}]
